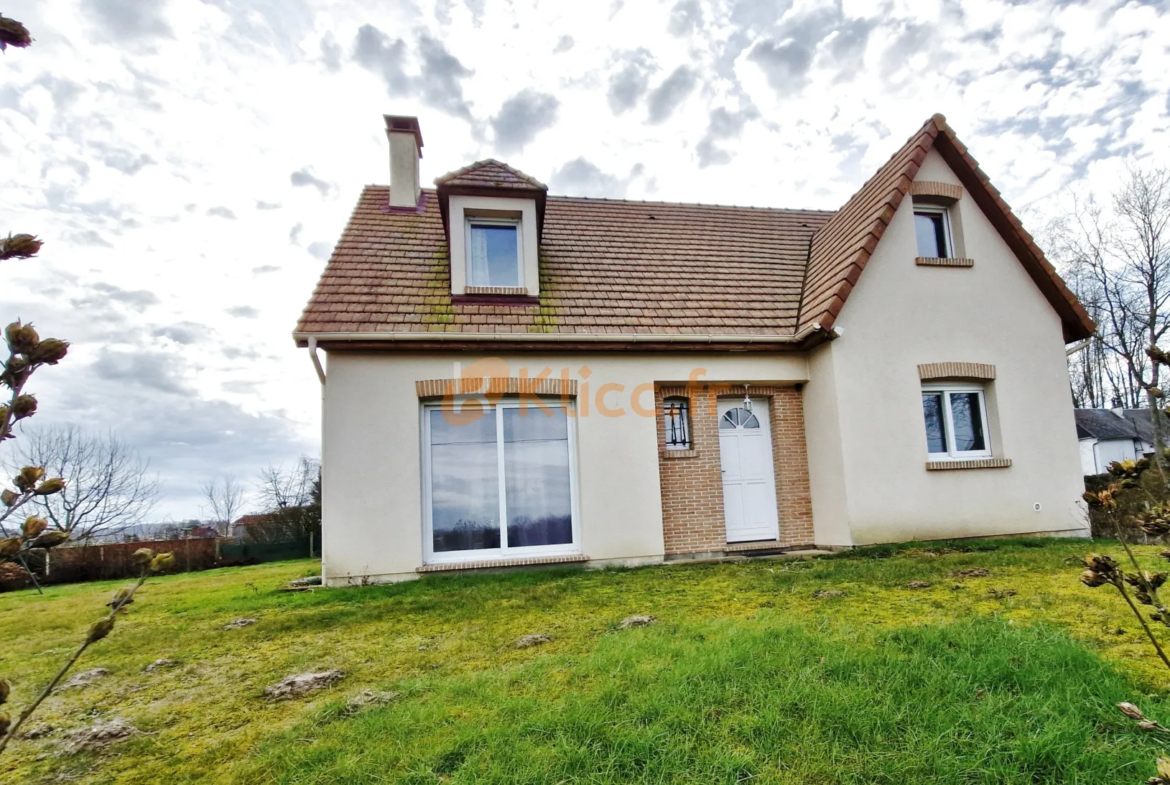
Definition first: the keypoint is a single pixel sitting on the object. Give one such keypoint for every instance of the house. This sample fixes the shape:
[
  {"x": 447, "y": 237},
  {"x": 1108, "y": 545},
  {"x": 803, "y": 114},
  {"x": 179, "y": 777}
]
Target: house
[
  {"x": 1108, "y": 435},
  {"x": 512, "y": 377},
  {"x": 242, "y": 525}
]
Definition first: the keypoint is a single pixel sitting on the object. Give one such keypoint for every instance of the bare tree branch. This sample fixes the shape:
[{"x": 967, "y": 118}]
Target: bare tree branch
[
  {"x": 107, "y": 484},
  {"x": 225, "y": 498},
  {"x": 1118, "y": 262}
]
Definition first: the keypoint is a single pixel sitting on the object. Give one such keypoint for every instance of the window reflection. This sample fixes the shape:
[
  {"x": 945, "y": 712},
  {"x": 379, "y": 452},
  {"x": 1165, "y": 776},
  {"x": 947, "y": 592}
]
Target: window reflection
[
  {"x": 968, "y": 421},
  {"x": 528, "y": 449},
  {"x": 936, "y": 437},
  {"x": 465, "y": 489},
  {"x": 536, "y": 477},
  {"x": 494, "y": 256}
]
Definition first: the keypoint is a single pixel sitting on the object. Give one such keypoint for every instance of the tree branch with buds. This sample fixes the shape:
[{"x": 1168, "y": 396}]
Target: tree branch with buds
[{"x": 150, "y": 563}]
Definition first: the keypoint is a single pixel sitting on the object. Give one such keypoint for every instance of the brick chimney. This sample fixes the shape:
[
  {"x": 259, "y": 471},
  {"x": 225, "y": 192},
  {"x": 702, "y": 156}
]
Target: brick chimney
[{"x": 405, "y": 151}]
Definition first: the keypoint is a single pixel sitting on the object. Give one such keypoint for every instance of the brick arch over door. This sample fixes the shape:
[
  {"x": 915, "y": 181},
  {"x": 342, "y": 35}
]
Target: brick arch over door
[{"x": 691, "y": 482}]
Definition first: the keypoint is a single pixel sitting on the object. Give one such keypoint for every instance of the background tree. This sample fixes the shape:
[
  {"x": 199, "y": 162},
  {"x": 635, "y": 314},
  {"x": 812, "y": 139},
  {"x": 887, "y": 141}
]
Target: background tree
[
  {"x": 291, "y": 501},
  {"x": 225, "y": 498},
  {"x": 1119, "y": 263},
  {"x": 108, "y": 485}
]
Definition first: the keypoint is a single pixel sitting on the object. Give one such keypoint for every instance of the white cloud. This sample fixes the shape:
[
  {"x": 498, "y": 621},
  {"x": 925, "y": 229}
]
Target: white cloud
[{"x": 132, "y": 131}]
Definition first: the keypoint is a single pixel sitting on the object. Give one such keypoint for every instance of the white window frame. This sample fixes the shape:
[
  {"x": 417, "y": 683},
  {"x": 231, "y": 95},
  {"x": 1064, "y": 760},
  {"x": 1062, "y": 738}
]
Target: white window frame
[
  {"x": 503, "y": 552},
  {"x": 938, "y": 209},
  {"x": 472, "y": 220},
  {"x": 947, "y": 390}
]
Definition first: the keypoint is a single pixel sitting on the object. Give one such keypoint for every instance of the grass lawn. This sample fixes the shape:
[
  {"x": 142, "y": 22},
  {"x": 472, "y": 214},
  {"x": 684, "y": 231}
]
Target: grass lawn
[{"x": 745, "y": 678}]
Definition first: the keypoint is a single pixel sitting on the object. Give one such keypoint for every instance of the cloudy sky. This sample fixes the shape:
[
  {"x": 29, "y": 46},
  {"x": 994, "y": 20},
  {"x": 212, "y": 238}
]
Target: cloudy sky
[{"x": 191, "y": 162}]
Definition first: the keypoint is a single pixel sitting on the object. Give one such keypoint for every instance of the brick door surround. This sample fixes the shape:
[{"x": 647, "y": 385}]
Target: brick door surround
[{"x": 691, "y": 481}]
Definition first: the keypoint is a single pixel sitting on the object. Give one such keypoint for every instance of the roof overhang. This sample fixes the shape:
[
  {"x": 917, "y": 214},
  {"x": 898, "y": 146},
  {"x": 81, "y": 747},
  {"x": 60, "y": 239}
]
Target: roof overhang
[{"x": 427, "y": 341}]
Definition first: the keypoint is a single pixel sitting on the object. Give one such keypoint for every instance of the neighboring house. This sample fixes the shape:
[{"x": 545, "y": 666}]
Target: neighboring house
[
  {"x": 519, "y": 378},
  {"x": 242, "y": 524},
  {"x": 1108, "y": 435}
]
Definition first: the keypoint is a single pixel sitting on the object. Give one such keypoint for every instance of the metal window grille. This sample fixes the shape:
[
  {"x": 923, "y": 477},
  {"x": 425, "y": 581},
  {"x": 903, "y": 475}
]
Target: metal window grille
[{"x": 677, "y": 421}]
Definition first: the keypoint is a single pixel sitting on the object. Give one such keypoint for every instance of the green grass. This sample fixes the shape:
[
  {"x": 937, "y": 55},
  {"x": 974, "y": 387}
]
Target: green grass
[{"x": 745, "y": 678}]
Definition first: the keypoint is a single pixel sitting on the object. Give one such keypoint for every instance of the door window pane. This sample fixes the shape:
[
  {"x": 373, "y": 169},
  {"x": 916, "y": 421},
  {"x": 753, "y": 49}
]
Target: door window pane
[
  {"x": 967, "y": 416},
  {"x": 936, "y": 435},
  {"x": 494, "y": 254},
  {"x": 536, "y": 476},
  {"x": 932, "y": 237},
  {"x": 465, "y": 486}
]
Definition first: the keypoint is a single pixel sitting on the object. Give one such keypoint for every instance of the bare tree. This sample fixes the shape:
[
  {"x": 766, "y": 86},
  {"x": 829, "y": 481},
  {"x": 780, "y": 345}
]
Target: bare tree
[
  {"x": 281, "y": 488},
  {"x": 225, "y": 497},
  {"x": 1123, "y": 255},
  {"x": 107, "y": 485},
  {"x": 291, "y": 499}
]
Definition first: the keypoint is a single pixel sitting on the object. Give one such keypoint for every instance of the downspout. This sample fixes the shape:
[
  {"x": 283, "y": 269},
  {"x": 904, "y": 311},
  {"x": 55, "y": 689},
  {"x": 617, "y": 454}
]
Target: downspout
[
  {"x": 1076, "y": 347},
  {"x": 316, "y": 361},
  {"x": 321, "y": 376}
]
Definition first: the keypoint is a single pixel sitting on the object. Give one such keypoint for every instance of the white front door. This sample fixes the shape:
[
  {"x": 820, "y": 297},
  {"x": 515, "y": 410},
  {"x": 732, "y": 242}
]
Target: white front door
[{"x": 749, "y": 482}]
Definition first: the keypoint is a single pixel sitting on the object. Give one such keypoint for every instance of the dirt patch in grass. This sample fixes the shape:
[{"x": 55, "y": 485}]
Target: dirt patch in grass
[{"x": 302, "y": 684}]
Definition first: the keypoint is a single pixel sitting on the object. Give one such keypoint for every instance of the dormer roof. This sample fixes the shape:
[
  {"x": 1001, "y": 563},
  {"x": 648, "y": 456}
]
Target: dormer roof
[
  {"x": 490, "y": 177},
  {"x": 489, "y": 174}
]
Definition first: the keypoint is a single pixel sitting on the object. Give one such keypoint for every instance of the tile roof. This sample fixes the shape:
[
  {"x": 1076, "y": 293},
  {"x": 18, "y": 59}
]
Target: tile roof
[
  {"x": 626, "y": 268},
  {"x": 606, "y": 267},
  {"x": 489, "y": 173}
]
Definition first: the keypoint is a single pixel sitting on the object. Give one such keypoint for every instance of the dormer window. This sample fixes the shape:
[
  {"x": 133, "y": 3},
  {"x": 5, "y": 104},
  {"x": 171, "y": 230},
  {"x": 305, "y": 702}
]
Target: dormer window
[
  {"x": 493, "y": 215},
  {"x": 932, "y": 225},
  {"x": 494, "y": 252}
]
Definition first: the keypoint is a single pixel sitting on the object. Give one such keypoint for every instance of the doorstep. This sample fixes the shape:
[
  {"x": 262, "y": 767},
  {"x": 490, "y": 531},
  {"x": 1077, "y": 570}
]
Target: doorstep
[
  {"x": 491, "y": 564},
  {"x": 758, "y": 545}
]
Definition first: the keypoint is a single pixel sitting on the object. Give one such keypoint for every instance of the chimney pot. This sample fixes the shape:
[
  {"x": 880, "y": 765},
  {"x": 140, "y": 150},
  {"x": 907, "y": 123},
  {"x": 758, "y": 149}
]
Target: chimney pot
[{"x": 406, "y": 143}]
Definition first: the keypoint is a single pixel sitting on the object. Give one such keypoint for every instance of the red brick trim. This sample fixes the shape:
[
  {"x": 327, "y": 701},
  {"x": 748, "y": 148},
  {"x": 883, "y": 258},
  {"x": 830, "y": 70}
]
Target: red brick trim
[
  {"x": 513, "y": 291},
  {"x": 934, "y": 261},
  {"x": 692, "y": 490},
  {"x": 953, "y": 370},
  {"x": 573, "y": 558},
  {"x": 983, "y": 463},
  {"x": 496, "y": 385},
  {"x": 790, "y": 458},
  {"x": 944, "y": 191}
]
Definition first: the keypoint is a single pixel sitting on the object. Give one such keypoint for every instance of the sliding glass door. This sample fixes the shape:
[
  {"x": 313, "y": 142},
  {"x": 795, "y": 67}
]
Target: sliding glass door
[{"x": 500, "y": 484}]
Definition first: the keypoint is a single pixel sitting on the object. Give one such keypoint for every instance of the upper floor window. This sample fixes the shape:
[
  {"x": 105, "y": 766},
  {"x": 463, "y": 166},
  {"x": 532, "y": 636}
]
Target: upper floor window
[
  {"x": 932, "y": 225},
  {"x": 676, "y": 423},
  {"x": 493, "y": 252},
  {"x": 956, "y": 421}
]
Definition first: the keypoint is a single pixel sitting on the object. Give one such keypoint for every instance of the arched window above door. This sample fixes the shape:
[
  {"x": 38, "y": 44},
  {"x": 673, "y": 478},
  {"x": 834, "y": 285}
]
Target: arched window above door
[{"x": 738, "y": 418}]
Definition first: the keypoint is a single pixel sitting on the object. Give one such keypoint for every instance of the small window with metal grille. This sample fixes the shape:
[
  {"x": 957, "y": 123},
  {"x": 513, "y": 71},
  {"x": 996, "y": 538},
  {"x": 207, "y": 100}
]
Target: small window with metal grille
[{"x": 676, "y": 421}]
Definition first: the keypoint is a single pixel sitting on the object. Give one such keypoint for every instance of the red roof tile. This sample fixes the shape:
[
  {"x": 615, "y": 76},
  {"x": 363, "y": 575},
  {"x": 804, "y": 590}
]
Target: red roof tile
[
  {"x": 489, "y": 173},
  {"x": 628, "y": 268},
  {"x": 606, "y": 267}
]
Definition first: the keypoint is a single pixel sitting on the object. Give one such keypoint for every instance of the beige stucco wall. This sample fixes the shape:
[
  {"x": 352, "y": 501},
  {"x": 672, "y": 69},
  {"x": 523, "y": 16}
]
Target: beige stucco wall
[
  {"x": 867, "y": 442},
  {"x": 826, "y": 469},
  {"x": 372, "y": 450}
]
